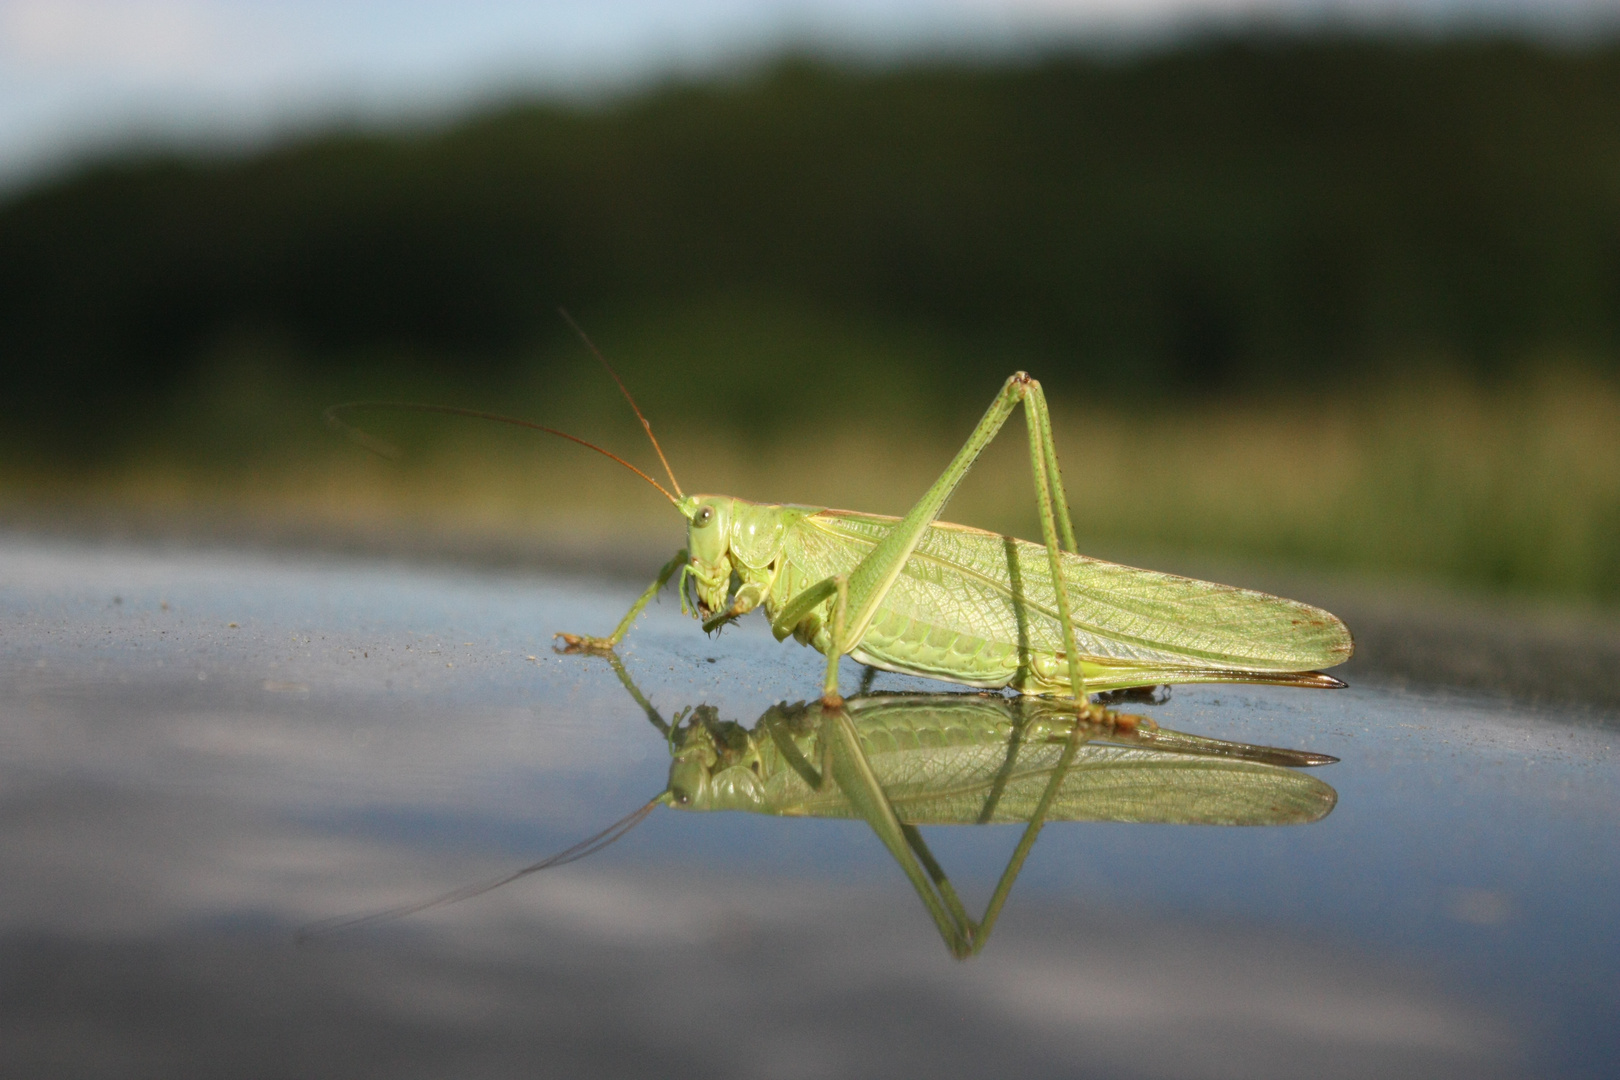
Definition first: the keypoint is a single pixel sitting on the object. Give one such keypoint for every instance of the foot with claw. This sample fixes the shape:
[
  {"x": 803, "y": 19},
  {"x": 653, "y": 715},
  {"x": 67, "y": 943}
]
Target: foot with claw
[{"x": 1120, "y": 721}]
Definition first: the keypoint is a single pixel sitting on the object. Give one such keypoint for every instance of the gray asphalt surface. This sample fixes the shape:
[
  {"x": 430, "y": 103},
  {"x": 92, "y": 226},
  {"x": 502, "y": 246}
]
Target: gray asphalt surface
[{"x": 203, "y": 750}]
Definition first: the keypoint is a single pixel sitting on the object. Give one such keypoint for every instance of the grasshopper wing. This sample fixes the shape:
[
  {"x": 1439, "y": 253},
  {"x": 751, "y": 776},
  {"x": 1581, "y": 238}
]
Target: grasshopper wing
[{"x": 980, "y": 608}]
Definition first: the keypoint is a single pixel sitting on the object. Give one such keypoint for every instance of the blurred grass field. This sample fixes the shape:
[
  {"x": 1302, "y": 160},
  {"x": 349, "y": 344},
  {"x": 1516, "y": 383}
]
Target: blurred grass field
[
  {"x": 1511, "y": 488},
  {"x": 1327, "y": 302}
]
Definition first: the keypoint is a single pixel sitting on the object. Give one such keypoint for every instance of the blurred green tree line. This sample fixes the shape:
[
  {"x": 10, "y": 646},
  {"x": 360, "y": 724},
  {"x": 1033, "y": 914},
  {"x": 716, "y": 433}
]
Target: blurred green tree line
[{"x": 1232, "y": 216}]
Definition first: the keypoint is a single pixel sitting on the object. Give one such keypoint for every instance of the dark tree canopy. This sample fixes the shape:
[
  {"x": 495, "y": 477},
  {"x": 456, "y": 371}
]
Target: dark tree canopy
[{"x": 1226, "y": 216}]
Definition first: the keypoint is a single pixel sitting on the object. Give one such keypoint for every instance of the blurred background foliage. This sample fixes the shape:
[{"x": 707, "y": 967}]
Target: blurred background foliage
[{"x": 1337, "y": 302}]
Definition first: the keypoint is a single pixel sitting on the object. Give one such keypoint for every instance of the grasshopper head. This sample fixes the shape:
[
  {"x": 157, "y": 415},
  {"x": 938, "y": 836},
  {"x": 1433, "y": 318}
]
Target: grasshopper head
[{"x": 708, "y": 543}]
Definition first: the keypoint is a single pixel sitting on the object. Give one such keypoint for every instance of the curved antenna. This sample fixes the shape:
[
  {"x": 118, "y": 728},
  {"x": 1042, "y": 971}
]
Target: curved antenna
[
  {"x": 589, "y": 846},
  {"x": 387, "y": 450},
  {"x": 625, "y": 390}
]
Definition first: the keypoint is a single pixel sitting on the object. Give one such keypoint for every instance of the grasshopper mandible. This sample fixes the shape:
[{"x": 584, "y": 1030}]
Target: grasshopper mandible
[{"x": 925, "y": 597}]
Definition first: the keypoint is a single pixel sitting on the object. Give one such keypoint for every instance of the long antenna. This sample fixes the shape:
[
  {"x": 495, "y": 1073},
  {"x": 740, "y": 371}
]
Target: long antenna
[
  {"x": 625, "y": 390},
  {"x": 589, "y": 846},
  {"x": 378, "y": 446}
]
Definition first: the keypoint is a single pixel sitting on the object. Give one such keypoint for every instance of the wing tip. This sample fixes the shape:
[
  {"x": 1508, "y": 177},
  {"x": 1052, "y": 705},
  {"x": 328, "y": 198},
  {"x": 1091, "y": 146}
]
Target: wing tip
[
  {"x": 1318, "y": 680},
  {"x": 1307, "y": 680}
]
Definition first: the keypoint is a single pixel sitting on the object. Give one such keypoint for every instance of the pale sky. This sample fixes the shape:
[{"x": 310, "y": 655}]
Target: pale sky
[{"x": 79, "y": 76}]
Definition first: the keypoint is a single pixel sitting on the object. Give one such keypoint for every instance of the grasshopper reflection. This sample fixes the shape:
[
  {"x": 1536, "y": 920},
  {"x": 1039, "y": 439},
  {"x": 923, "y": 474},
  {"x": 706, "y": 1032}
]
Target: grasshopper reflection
[{"x": 901, "y": 761}]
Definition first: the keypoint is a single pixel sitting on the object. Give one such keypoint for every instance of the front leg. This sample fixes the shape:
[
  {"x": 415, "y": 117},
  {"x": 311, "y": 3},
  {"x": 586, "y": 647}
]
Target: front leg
[{"x": 579, "y": 643}]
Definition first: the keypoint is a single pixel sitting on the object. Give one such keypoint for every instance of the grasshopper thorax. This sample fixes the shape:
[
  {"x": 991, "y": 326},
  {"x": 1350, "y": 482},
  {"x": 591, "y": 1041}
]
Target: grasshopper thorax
[{"x": 730, "y": 540}]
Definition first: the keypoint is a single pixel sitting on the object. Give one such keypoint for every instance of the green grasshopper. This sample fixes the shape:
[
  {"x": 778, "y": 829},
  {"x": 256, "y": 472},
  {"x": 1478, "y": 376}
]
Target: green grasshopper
[
  {"x": 899, "y": 761},
  {"x": 925, "y": 597},
  {"x": 921, "y": 596}
]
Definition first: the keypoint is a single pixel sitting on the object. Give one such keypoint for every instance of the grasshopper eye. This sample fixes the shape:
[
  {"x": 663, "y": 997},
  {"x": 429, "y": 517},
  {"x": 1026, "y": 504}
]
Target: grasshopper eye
[{"x": 704, "y": 516}]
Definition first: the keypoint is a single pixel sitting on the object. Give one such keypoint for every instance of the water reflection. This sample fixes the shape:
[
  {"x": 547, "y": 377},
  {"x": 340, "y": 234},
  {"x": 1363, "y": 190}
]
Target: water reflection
[
  {"x": 904, "y": 760},
  {"x": 899, "y": 761}
]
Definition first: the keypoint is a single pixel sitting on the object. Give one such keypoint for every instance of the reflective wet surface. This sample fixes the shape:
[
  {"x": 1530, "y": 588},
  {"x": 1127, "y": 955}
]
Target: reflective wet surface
[{"x": 180, "y": 795}]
